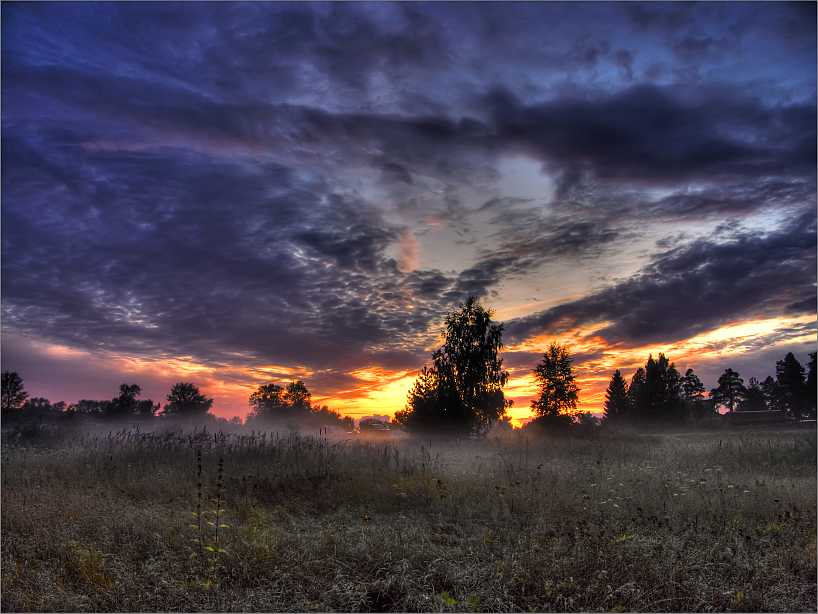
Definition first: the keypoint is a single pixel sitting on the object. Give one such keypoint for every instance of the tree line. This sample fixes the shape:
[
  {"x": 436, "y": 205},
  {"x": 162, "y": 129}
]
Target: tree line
[
  {"x": 269, "y": 403},
  {"x": 273, "y": 404},
  {"x": 462, "y": 390},
  {"x": 184, "y": 401},
  {"x": 658, "y": 393}
]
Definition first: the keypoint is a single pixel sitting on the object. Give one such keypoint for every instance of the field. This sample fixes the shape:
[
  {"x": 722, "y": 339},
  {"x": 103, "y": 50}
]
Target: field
[{"x": 704, "y": 521}]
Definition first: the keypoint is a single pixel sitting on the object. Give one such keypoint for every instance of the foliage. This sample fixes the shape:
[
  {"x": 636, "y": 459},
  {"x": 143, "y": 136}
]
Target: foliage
[
  {"x": 422, "y": 402},
  {"x": 692, "y": 387},
  {"x": 791, "y": 379},
  {"x": 13, "y": 392},
  {"x": 297, "y": 396},
  {"x": 617, "y": 402},
  {"x": 272, "y": 401},
  {"x": 754, "y": 398},
  {"x": 185, "y": 401},
  {"x": 36, "y": 406},
  {"x": 559, "y": 392},
  {"x": 267, "y": 401},
  {"x": 693, "y": 391},
  {"x": 812, "y": 387},
  {"x": 462, "y": 392},
  {"x": 772, "y": 394},
  {"x": 655, "y": 392},
  {"x": 730, "y": 390},
  {"x": 125, "y": 404}
]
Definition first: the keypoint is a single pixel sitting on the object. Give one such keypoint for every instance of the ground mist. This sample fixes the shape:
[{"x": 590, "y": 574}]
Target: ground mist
[{"x": 704, "y": 521}]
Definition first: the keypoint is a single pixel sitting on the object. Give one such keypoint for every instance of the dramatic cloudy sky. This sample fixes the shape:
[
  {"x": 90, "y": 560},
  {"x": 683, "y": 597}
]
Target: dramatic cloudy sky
[{"x": 232, "y": 194}]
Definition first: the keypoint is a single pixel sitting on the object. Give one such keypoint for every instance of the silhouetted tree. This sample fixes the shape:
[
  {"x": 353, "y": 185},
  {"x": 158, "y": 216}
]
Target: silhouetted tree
[
  {"x": 772, "y": 395},
  {"x": 124, "y": 406},
  {"x": 656, "y": 392},
  {"x": 463, "y": 390},
  {"x": 730, "y": 390},
  {"x": 297, "y": 396},
  {"x": 92, "y": 409},
  {"x": 268, "y": 402},
  {"x": 13, "y": 393},
  {"x": 692, "y": 387},
  {"x": 636, "y": 397},
  {"x": 791, "y": 378},
  {"x": 693, "y": 392},
  {"x": 812, "y": 392},
  {"x": 185, "y": 401},
  {"x": 35, "y": 406},
  {"x": 422, "y": 409},
  {"x": 559, "y": 392},
  {"x": 754, "y": 397},
  {"x": 617, "y": 402}
]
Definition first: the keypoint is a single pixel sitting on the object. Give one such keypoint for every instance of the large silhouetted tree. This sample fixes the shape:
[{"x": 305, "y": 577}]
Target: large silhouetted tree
[
  {"x": 185, "y": 401},
  {"x": 422, "y": 409},
  {"x": 13, "y": 393},
  {"x": 656, "y": 392},
  {"x": 462, "y": 392},
  {"x": 730, "y": 390},
  {"x": 267, "y": 402},
  {"x": 617, "y": 402},
  {"x": 772, "y": 395},
  {"x": 791, "y": 378},
  {"x": 559, "y": 392},
  {"x": 692, "y": 387},
  {"x": 754, "y": 398},
  {"x": 124, "y": 406},
  {"x": 636, "y": 406},
  {"x": 693, "y": 393},
  {"x": 297, "y": 396},
  {"x": 812, "y": 392}
]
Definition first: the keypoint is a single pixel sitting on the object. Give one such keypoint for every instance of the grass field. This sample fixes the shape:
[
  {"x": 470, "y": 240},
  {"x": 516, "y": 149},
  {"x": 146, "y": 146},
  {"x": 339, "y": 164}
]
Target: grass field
[{"x": 704, "y": 521}]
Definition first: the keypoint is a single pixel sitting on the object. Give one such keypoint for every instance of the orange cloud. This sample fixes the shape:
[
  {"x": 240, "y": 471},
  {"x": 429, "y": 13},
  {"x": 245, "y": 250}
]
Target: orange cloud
[{"x": 408, "y": 253}]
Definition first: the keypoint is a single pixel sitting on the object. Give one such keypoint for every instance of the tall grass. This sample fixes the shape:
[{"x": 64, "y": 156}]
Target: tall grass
[{"x": 682, "y": 522}]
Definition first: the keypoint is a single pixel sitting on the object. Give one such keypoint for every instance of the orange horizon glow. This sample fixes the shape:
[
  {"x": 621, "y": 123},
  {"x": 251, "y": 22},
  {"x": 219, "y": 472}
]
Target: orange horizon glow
[
  {"x": 384, "y": 392},
  {"x": 380, "y": 391}
]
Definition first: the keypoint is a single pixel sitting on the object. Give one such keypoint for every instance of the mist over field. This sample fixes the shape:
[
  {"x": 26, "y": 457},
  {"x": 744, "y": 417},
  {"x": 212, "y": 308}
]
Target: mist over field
[{"x": 119, "y": 521}]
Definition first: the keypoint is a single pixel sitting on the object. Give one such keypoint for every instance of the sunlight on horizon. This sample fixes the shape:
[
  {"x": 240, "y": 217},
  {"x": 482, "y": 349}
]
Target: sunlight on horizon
[{"x": 380, "y": 391}]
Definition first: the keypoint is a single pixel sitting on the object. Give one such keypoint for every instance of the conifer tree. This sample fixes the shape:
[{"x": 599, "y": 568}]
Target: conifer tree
[
  {"x": 730, "y": 390},
  {"x": 617, "y": 402}
]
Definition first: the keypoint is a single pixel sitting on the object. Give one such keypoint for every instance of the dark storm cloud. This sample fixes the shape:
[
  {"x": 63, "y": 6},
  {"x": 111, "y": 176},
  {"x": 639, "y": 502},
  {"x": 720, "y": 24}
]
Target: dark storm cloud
[
  {"x": 644, "y": 132},
  {"x": 529, "y": 241},
  {"x": 189, "y": 256},
  {"x": 665, "y": 134},
  {"x": 652, "y": 133},
  {"x": 735, "y": 198},
  {"x": 695, "y": 288},
  {"x": 525, "y": 248}
]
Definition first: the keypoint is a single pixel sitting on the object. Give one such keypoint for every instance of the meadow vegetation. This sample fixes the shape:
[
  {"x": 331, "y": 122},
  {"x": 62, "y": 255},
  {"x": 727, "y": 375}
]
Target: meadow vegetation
[{"x": 613, "y": 521}]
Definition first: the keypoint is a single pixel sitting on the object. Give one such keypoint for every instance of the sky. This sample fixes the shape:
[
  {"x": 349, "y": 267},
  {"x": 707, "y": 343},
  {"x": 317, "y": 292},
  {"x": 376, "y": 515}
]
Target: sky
[{"x": 235, "y": 194}]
